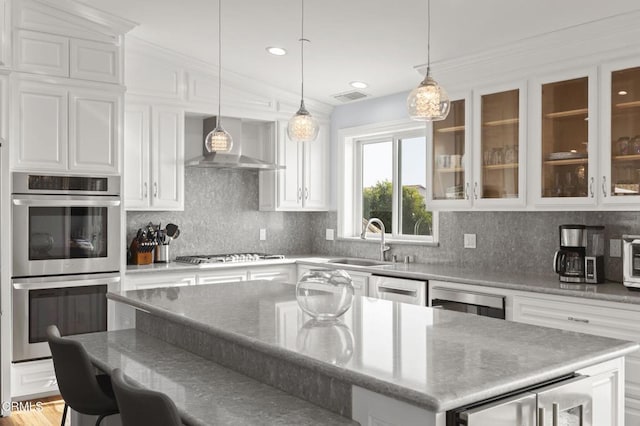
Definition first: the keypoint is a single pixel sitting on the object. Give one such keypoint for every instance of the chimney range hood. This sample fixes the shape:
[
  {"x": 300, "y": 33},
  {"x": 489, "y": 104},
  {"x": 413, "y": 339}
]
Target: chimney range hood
[{"x": 234, "y": 159}]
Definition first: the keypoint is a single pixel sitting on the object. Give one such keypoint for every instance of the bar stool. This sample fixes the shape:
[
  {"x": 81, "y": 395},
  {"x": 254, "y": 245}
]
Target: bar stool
[
  {"x": 142, "y": 406},
  {"x": 80, "y": 387}
]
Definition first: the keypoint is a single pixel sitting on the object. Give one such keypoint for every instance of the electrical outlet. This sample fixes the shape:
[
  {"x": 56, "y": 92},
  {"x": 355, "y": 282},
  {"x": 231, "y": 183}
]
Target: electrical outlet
[
  {"x": 470, "y": 241},
  {"x": 263, "y": 234},
  {"x": 329, "y": 234},
  {"x": 615, "y": 247}
]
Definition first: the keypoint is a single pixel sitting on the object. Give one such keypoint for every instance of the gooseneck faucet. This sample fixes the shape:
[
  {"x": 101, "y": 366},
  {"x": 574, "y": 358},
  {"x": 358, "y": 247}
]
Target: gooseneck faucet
[{"x": 383, "y": 246}]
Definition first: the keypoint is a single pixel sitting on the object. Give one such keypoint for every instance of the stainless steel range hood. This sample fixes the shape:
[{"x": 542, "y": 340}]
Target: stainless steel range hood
[{"x": 236, "y": 159}]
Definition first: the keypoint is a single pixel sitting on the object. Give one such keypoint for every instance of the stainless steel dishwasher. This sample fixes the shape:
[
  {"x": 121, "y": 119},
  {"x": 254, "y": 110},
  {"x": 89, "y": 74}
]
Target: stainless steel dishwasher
[
  {"x": 398, "y": 289},
  {"x": 472, "y": 302}
]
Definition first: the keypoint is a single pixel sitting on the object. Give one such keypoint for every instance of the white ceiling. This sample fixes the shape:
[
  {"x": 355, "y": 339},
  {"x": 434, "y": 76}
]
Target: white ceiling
[{"x": 376, "y": 41}]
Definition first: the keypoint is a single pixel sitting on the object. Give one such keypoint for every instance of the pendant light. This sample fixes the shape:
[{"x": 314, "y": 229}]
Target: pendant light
[
  {"x": 219, "y": 140},
  {"x": 428, "y": 101},
  {"x": 302, "y": 126}
]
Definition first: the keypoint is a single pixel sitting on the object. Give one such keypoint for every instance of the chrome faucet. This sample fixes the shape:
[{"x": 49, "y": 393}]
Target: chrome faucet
[{"x": 383, "y": 246}]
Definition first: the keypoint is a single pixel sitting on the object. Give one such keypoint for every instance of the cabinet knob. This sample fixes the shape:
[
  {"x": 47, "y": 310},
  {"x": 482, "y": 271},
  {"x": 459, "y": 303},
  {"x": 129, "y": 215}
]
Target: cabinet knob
[
  {"x": 466, "y": 191},
  {"x": 475, "y": 190},
  {"x": 299, "y": 194},
  {"x": 155, "y": 189},
  {"x": 604, "y": 186},
  {"x": 146, "y": 190},
  {"x": 306, "y": 193},
  {"x": 591, "y": 187}
]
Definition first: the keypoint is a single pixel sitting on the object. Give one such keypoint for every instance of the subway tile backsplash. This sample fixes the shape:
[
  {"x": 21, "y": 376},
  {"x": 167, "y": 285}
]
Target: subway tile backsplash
[{"x": 221, "y": 216}]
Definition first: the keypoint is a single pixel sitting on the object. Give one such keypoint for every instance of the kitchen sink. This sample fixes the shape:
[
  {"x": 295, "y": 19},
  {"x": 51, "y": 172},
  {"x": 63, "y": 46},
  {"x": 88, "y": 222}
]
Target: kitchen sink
[{"x": 357, "y": 262}]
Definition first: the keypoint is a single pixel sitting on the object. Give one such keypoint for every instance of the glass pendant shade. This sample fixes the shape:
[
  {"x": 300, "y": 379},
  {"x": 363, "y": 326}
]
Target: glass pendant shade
[
  {"x": 428, "y": 102},
  {"x": 218, "y": 140},
  {"x": 302, "y": 126}
]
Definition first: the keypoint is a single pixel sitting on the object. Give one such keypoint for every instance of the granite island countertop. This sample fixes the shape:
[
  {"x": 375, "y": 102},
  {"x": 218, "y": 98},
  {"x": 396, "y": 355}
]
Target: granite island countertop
[{"x": 435, "y": 359}]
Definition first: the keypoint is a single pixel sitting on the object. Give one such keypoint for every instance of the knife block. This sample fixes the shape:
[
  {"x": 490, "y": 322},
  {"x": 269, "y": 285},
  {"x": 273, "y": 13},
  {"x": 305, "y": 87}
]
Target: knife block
[{"x": 140, "y": 255}]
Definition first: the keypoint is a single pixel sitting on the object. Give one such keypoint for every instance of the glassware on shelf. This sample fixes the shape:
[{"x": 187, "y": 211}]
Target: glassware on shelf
[
  {"x": 325, "y": 294},
  {"x": 622, "y": 145}
]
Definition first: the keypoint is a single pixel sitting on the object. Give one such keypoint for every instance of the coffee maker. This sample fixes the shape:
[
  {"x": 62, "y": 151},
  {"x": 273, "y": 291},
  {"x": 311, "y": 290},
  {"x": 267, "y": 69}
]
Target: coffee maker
[{"x": 581, "y": 255}]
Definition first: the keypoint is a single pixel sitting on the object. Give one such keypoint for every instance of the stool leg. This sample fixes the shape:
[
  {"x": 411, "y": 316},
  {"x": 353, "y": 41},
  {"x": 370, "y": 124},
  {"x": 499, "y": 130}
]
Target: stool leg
[
  {"x": 102, "y": 416},
  {"x": 64, "y": 414}
]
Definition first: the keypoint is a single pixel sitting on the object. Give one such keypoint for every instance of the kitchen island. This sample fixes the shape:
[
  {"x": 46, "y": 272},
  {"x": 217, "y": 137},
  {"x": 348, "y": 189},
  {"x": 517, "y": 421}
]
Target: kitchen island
[{"x": 421, "y": 359}]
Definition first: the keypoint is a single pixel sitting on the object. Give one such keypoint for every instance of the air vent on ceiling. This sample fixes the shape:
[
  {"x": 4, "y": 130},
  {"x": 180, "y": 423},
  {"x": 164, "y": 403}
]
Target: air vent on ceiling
[{"x": 354, "y": 95}]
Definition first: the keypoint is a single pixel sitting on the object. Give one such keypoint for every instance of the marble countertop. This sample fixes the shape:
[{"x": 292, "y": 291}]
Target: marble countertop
[
  {"x": 213, "y": 396},
  {"x": 429, "y": 357},
  {"x": 537, "y": 283}
]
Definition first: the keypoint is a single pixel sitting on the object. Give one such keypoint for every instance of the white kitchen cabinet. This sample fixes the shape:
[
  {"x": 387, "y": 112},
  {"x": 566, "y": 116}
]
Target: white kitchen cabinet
[
  {"x": 63, "y": 129},
  {"x": 559, "y": 312},
  {"x": 55, "y": 55},
  {"x": 282, "y": 273},
  {"x": 304, "y": 183},
  {"x": 141, "y": 281},
  {"x": 33, "y": 378},
  {"x": 499, "y": 146},
  {"x": 154, "y": 158},
  {"x": 222, "y": 275},
  {"x": 94, "y": 130},
  {"x": 563, "y": 141}
]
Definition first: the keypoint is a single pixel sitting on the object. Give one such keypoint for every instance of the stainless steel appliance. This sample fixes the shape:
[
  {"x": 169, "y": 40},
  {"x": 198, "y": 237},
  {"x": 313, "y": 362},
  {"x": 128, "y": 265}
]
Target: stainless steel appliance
[
  {"x": 631, "y": 260},
  {"x": 581, "y": 255},
  {"x": 567, "y": 402},
  {"x": 75, "y": 303},
  {"x": 398, "y": 289},
  {"x": 472, "y": 302},
  {"x": 230, "y": 257},
  {"x": 65, "y": 224}
]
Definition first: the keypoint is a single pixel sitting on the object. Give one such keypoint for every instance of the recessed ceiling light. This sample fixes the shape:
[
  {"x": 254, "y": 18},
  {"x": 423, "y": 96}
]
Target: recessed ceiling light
[
  {"x": 622, "y": 92},
  {"x": 359, "y": 84},
  {"x": 277, "y": 51}
]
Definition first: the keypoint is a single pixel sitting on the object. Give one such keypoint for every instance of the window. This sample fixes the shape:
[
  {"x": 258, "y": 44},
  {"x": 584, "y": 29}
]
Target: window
[{"x": 385, "y": 177}]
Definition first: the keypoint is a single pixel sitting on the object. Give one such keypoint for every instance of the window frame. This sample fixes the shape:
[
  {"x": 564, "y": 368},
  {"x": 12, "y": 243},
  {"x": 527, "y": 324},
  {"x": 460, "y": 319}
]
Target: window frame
[{"x": 351, "y": 141}]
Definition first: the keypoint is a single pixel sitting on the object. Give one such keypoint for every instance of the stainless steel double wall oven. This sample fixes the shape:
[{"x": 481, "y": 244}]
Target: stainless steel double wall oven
[{"x": 66, "y": 256}]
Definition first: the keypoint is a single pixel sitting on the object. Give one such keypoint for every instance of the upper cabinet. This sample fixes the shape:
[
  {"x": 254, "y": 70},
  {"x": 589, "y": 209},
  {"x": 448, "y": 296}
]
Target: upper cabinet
[
  {"x": 563, "y": 142},
  {"x": 499, "y": 146},
  {"x": 153, "y": 158},
  {"x": 451, "y": 157},
  {"x": 58, "y": 128},
  {"x": 620, "y": 134},
  {"x": 303, "y": 184}
]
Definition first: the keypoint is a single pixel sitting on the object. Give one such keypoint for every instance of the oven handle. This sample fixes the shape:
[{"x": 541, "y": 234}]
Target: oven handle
[
  {"x": 69, "y": 201},
  {"x": 40, "y": 283}
]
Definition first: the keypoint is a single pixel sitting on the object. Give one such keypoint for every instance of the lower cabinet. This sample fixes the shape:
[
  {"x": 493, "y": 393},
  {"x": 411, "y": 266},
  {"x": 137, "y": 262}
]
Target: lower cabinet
[
  {"x": 222, "y": 276},
  {"x": 283, "y": 273},
  {"x": 141, "y": 281},
  {"x": 606, "y": 320},
  {"x": 33, "y": 378}
]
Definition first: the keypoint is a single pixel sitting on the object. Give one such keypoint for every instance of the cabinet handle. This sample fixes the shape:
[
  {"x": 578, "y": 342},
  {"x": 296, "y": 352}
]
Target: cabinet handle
[
  {"x": 604, "y": 186},
  {"x": 475, "y": 190},
  {"x": 306, "y": 193},
  {"x": 146, "y": 190},
  {"x": 155, "y": 189},
  {"x": 466, "y": 191},
  {"x": 574, "y": 319},
  {"x": 591, "y": 187},
  {"x": 299, "y": 194},
  {"x": 555, "y": 413},
  {"x": 540, "y": 416}
]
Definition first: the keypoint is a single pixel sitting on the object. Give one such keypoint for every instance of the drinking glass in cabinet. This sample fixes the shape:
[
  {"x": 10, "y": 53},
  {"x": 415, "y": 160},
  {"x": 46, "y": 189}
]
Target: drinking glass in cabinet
[
  {"x": 448, "y": 138},
  {"x": 625, "y": 132},
  {"x": 565, "y": 133},
  {"x": 499, "y": 143}
]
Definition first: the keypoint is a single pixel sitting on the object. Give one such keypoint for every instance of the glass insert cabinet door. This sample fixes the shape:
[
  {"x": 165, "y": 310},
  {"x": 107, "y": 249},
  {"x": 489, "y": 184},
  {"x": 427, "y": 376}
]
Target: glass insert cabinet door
[
  {"x": 564, "y": 138},
  {"x": 449, "y": 143},
  {"x": 499, "y": 146},
  {"x": 625, "y": 134}
]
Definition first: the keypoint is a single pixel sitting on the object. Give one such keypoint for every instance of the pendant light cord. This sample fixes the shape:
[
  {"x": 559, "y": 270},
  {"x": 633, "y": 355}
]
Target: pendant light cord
[
  {"x": 428, "y": 35},
  {"x": 302, "y": 40},
  {"x": 219, "y": 58}
]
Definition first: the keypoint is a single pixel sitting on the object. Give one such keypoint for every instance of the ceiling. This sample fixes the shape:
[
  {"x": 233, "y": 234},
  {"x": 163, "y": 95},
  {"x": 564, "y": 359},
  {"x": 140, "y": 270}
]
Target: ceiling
[{"x": 376, "y": 41}]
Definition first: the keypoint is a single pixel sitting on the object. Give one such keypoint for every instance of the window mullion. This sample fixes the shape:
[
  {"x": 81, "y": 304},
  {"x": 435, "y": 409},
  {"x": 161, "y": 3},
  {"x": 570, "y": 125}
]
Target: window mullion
[
  {"x": 357, "y": 192},
  {"x": 396, "y": 190}
]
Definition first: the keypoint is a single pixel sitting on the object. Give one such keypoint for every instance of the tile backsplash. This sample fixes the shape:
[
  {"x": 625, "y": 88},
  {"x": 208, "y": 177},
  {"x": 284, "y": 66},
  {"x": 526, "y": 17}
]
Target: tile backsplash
[{"x": 221, "y": 216}]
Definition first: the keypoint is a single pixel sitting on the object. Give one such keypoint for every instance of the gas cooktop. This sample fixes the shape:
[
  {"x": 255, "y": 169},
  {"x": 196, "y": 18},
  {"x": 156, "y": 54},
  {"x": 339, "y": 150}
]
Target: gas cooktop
[{"x": 231, "y": 257}]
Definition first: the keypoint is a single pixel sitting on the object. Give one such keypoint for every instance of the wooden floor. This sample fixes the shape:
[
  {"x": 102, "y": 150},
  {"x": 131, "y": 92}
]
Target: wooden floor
[{"x": 49, "y": 415}]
